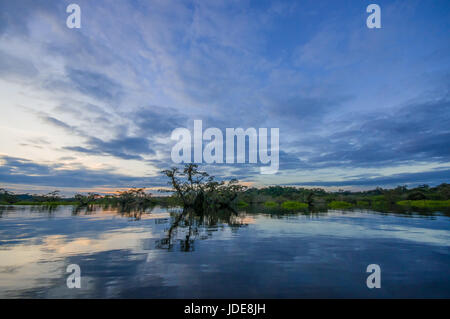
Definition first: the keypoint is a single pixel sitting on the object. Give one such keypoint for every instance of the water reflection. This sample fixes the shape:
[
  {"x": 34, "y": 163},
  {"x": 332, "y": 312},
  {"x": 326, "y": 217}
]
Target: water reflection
[
  {"x": 130, "y": 212},
  {"x": 254, "y": 252},
  {"x": 188, "y": 225}
]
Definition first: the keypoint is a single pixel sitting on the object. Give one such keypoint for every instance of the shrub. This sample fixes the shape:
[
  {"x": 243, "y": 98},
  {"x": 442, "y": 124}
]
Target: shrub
[
  {"x": 293, "y": 205},
  {"x": 425, "y": 203},
  {"x": 339, "y": 205},
  {"x": 241, "y": 203},
  {"x": 270, "y": 204},
  {"x": 362, "y": 203}
]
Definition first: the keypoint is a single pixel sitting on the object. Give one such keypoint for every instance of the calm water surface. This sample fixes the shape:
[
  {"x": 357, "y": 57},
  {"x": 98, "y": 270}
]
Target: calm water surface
[{"x": 251, "y": 255}]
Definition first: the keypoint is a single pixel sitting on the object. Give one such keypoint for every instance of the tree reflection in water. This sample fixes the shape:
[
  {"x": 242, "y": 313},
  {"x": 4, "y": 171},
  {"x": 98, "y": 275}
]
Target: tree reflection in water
[
  {"x": 134, "y": 212},
  {"x": 189, "y": 224}
]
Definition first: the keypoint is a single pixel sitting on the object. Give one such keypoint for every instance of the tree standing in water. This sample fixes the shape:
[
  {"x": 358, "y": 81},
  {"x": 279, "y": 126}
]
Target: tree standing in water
[{"x": 200, "y": 191}]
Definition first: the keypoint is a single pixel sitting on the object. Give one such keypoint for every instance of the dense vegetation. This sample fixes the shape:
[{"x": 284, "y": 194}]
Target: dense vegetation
[
  {"x": 292, "y": 197},
  {"x": 129, "y": 199},
  {"x": 198, "y": 190}
]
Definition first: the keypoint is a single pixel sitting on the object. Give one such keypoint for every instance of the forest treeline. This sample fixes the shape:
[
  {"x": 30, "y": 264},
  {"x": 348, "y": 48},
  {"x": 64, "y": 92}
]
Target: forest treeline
[
  {"x": 421, "y": 196},
  {"x": 197, "y": 189}
]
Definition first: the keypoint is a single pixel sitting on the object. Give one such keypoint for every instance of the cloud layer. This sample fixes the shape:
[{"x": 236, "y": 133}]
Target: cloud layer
[{"x": 96, "y": 106}]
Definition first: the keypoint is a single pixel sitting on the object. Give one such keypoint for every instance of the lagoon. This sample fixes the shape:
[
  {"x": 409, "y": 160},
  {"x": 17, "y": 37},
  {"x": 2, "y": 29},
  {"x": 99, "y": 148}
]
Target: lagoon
[{"x": 257, "y": 253}]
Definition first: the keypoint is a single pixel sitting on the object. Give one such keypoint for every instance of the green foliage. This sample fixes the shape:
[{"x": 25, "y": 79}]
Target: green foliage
[
  {"x": 293, "y": 205},
  {"x": 88, "y": 199},
  {"x": 7, "y": 197},
  {"x": 134, "y": 198},
  {"x": 241, "y": 203},
  {"x": 199, "y": 190},
  {"x": 47, "y": 198},
  {"x": 271, "y": 204},
  {"x": 195, "y": 188},
  {"x": 416, "y": 196},
  {"x": 363, "y": 203},
  {"x": 339, "y": 205},
  {"x": 425, "y": 203},
  {"x": 28, "y": 203},
  {"x": 281, "y": 193}
]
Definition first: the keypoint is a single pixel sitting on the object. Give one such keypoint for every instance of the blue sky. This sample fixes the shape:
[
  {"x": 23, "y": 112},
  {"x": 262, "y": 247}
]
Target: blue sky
[{"x": 93, "y": 108}]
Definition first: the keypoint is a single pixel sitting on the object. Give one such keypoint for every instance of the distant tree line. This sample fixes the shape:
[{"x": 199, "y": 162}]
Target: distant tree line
[
  {"x": 196, "y": 189},
  {"x": 283, "y": 193}
]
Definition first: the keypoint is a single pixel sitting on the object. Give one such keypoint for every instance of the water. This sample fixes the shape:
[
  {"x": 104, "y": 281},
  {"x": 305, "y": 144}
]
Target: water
[{"x": 249, "y": 255}]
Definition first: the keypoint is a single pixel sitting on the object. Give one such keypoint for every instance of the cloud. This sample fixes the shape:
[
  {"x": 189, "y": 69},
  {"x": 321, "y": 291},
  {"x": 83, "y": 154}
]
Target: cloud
[
  {"x": 23, "y": 171},
  {"x": 58, "y": 123},
  {"x": 16, "y": 67},
  {"x": 156, "y": 120},
  {"x": 433, "y": 177},
  {"x": 128, "y": 148},
  {"x": 418, "y": 131},
  {"x": 95, "y": 84},
  {"x": 344, "y": 97}
]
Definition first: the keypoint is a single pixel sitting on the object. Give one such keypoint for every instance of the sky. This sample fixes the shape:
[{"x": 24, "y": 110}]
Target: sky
[{"x": 93, "y": 109}]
